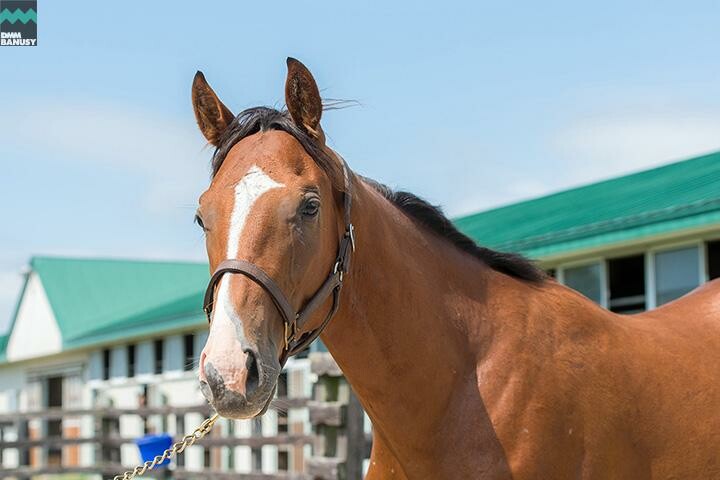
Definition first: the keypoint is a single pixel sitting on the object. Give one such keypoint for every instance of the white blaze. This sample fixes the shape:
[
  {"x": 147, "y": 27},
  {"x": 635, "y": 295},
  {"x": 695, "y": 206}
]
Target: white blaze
[{"x": 252, "y": 186}]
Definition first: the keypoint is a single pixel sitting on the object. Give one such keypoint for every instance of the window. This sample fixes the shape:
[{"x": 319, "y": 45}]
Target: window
[
  {"x": 283, "y": 460},
  {"x": 676, "y": 273},
  {"x": 109, "y": 427},
  {"x": 626, "y": 284},
  {"x": 144, "y": 401},
  {"x": 206, "y": 457},
  {"x": 180, "y": 427},
  {"x": 189, "y": 341},
  {"x": 159, "y": 355},
  {"x": 53, "y": 427},
  {"x": 586, "y": 280},
  {"x": 713, "y": 259},
  {"x": 256, "y": 427},
  {"x": 131, "y": 360},
  {"x": 106, "y": 364},
  {"x": 282, "y": 392},
  {"x": 256, "y": 459},
  {"x": 230, "y": 452},
  {"x": 282, "y": 421},
  {"x": 22, "y": 434},
  {"x": 282, "y": 385}
]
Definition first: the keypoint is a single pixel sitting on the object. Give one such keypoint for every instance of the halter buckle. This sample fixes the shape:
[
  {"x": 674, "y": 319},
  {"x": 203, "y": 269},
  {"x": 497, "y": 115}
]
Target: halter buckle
[
  {"x": 351, "y": 234},
  {"x": 338, "y": 270},
  {"x": 290, "y": 331}
]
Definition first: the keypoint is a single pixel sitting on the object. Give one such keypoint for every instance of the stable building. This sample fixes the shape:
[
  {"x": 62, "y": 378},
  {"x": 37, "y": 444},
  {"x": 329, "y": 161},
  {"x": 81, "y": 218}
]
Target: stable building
[
  {"x": 630, "y": 243},
  {"x": 91, "y": 334}
]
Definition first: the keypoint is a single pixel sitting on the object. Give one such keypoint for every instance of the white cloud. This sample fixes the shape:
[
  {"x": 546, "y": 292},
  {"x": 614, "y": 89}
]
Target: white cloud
[
  {"x": 167, "y": 153},
  {"x": 167, "y": 156},
  {"x": 609, "y": 145},
  {"x": 592, "y": 148}
]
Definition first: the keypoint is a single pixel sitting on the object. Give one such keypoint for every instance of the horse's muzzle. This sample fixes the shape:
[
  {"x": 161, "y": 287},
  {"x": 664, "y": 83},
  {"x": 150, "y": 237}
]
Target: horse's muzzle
[{"x": 240, "y": 392}]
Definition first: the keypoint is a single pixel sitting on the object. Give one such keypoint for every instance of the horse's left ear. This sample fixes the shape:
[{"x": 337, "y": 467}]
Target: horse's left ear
[
  {"x": 212, "y": 116},
  {"x": 302, "y": 98}
]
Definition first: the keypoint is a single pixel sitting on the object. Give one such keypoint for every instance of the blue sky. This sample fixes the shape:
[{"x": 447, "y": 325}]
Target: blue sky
[{"x": 470, "y": 104}]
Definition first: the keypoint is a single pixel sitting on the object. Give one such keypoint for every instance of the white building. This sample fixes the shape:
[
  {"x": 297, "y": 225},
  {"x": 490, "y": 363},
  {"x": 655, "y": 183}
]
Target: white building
[{"x": 91, "y": 333}]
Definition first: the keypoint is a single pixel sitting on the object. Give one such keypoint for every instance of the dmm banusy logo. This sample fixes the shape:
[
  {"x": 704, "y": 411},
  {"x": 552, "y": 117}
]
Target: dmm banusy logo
[{"x": 18, "y": 23}]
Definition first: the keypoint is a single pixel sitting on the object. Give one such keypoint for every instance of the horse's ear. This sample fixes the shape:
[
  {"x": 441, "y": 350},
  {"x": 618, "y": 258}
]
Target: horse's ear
[
  {"x": 302, "y": 98},
  {"x": 212, "y": 116}
]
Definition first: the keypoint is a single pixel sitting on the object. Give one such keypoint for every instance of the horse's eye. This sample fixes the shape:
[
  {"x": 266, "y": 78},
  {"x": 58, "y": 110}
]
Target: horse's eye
[
  {"x": 311, "y": 207},
  {"x": 199, "y": 221}
]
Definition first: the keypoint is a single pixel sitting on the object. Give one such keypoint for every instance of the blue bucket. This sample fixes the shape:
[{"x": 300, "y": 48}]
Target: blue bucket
[{"x": 153, "y": 445}]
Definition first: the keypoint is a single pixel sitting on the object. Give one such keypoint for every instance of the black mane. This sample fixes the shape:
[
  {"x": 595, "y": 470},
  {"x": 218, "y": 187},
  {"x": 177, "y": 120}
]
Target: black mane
[
  {"x": 261, "y": 119},
  {"x": 433, "y": 218}
]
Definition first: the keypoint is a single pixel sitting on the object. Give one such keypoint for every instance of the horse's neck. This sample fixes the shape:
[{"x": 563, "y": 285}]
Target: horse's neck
[{"x": 415, "y": 316}]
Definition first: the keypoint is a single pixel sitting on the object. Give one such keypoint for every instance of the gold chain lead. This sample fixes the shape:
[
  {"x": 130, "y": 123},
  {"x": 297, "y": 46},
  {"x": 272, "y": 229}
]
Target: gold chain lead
[{"x": 176, "y": 448}]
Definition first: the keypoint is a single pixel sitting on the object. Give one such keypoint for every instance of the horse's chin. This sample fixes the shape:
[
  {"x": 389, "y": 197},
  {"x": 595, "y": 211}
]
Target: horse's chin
[{"x": 236, "y": 406}]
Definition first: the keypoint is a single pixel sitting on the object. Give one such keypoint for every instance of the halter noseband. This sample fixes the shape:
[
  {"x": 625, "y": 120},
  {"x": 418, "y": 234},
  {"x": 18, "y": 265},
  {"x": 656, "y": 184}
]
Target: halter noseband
[{"x": 294, "y": 321}]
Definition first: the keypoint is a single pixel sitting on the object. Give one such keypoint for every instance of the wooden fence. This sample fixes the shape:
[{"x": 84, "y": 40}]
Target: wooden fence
[{"x": 338, "y": 441}]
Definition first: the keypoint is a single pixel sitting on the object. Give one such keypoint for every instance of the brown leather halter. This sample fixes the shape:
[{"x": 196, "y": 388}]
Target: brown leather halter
[{"x": 294, "y": 321}]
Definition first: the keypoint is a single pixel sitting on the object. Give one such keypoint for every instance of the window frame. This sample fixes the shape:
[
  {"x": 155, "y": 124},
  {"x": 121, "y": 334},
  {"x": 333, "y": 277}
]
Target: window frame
[
  {"x": 587, "y": 262},
  {"x": 651, "y": 253}
]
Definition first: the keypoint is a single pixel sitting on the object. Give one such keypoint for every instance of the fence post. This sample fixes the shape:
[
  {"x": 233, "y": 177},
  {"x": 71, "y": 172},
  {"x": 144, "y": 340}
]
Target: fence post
[
  {"x": 23, "y": 433},
  {"x": 337, "y": 419},
  {"x": 355, "y": 434}
]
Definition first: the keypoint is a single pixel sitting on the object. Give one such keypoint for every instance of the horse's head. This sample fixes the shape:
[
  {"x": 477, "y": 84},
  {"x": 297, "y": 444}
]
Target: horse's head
[{"x": 275, "y": 201}]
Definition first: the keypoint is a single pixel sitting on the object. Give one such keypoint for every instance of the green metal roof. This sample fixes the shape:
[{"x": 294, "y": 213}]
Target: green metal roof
[
  {"x": 3, "y": 345},
  {"x": 666, "y": 199},
  {"x": 101, "y": 300}
]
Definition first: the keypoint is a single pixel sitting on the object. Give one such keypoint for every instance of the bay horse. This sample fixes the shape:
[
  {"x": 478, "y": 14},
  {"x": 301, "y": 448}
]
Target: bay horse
[{"x": 471, "y": 363}]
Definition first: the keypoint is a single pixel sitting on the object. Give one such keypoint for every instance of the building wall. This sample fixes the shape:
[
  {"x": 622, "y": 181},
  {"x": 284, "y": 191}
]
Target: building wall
[
  {"x": 174, "y": 385},
  {"x": 35, "y": 333},
  {"x": 100, "y": 377},
  {"x": 22, "y": 389}
]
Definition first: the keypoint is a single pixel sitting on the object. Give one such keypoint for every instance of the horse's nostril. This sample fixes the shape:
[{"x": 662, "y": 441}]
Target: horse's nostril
[
  {"x": 214, "y": 381},
  {"x": 253, "y": 373}
]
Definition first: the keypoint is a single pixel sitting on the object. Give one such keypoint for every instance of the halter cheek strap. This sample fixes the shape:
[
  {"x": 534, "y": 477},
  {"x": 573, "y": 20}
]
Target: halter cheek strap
[{"x": 295, "y": 321}]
